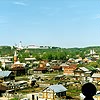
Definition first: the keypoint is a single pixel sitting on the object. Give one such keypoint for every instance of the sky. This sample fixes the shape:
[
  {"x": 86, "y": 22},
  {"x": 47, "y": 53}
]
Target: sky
[{"x": 61, "y": 23}]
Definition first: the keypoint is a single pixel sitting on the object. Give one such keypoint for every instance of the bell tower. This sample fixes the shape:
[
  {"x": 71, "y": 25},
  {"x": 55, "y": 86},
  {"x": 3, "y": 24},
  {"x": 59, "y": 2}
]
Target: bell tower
[{"x": 15, "y": 57}]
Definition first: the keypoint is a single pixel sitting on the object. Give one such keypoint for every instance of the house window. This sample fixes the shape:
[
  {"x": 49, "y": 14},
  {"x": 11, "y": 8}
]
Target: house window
[
  {"x": 41, "y": 95},
  {"x": 49, "y": 95},
  {"x": 82, "y": 74}
]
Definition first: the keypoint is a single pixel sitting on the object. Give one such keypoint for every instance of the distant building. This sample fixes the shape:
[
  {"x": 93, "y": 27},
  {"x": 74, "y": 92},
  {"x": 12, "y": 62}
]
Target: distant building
[
  {"x": 33, "y": 47},
  {"x": 19, "y": 46},
  {"x": 6, "y": 75},
  {"x": 30, "y": 60},
  {"x": 96, "y": 77},
  {"x": 40, "y": 70},
  {"x": 37, "y": 47},
  {"x": 69, "y": 69},
  {"x": 15, "y": 57},
  {"x": 92, "y": 52},
  {"x": 18, "y": 68},
  {"x": 82, "y": 74},
  {"x": 6, "y": 61},
  {"x": 54, "y": 91},
  {"x": 56, "y": 68}
]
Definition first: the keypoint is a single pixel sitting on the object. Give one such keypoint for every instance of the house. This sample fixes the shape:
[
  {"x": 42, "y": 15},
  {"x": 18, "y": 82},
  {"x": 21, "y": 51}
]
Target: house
[
  {"x": 56, "y": 68},
  {"x": 54, "y": 91},
  {"x": 94, "y": 54},
  {"x": 18, "y": 68},
  {"x": 71, "y": 60},
  {"x": 87, "y": 60},
  {"x": 40, "y": 70},
  {"x": 18, "y": 85},
  {"x": 78, "y": 60},
  {"x": 6, "y": 75},
  {"x": 30, "y": 60},
  {"x": 98, "y": 70},
  {"x": 96, "y": 77},
  {"x": 82, "y": 73},
  {"x": 6, "y": 61},
  {"x": 21, "y": 85},
  {"x": 69, "y": 69}
]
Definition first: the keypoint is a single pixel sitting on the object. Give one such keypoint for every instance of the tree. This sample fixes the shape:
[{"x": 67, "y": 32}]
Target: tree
[
  {"x": 98, "y": 61},
  {"x": 94, "y": 64}
]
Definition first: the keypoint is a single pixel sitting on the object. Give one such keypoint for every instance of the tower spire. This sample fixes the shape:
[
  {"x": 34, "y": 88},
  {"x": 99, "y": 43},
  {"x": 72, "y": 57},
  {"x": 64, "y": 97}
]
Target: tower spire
[{"x": 15, "y": 57}]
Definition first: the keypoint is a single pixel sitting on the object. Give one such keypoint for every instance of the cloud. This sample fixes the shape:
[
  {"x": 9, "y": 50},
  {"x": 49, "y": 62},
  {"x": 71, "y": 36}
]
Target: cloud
[{"x": 19, "y": 3}]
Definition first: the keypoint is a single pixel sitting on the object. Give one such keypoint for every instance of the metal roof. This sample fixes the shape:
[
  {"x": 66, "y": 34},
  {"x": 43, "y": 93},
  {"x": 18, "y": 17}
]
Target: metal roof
[
  {"x": 64, "y": 64},
  {"x": 96, "y": 75},
  {"x": 84, "y": 69},
  {"x": 30, "y": 58},
  {"x": 4, "y": 73},
  {"x": 58, "y": 88}
]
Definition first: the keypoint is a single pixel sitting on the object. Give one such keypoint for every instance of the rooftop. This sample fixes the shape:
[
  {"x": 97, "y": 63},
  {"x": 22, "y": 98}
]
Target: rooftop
[
  {"x": 58, "y": 88},
  {"x": 4, "y": 73}
]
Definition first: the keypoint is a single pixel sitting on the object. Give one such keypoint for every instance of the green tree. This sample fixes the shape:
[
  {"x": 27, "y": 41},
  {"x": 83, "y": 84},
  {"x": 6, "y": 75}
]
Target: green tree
[{"x": 94, "y": 64}]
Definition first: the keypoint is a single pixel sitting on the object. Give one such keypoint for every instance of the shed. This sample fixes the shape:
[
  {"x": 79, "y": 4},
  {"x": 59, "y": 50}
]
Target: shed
[
  {"x": 57, "y": 90},
  {"x": 7, "y": 75}
]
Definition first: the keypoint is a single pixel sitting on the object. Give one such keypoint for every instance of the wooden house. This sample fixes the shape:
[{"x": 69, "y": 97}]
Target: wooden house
[
  {"x": 18, "y": 69},
  {"x": 54, "y": 91},
  {"x": 96, "y": 77},
  {"x": 69, "y": 69},
  {"x": 56, "y": 68},
  {"x": 40, "y": 70},
  {"x": 82, "y": 73}
]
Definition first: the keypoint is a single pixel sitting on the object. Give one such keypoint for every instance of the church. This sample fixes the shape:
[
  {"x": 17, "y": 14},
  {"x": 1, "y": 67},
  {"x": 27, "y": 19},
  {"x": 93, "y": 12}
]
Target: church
[{"x": 18, "y": 68}]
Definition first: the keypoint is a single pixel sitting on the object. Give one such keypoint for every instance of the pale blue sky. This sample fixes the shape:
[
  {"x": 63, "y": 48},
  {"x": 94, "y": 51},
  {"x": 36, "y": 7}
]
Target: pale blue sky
[{"x": 64, "y": 23}]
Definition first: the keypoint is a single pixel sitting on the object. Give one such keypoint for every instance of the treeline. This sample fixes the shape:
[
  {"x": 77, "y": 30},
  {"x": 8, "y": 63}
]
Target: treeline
[
  {"x": 48, "y": 54},
  {"x": 55, "y": 54},
  {"x": 6, "y": 51}
]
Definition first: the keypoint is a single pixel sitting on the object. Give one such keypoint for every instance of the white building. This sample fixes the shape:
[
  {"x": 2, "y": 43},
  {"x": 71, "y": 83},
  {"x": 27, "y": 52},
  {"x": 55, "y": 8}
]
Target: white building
[
  {"x": 33, "y": 47},
  {"x": 19, "y": 46}
]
